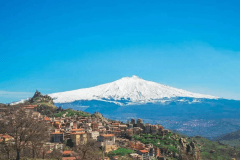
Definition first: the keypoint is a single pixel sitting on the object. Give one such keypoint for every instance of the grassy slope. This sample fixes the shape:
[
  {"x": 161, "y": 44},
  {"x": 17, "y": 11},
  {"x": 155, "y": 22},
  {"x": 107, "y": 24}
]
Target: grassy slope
[
  {"x": 232, "y": 139},
  {"x": 120, "y": 152},
  {"x": 159, "y": 141},
  {"x": 46, "y": 104},
  {"x": 222, "y": 152},
  {"x": 72, "y": 113}
]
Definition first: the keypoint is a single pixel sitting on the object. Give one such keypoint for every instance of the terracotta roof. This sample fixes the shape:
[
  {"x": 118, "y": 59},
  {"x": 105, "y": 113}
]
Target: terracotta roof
[
  {"x": 47, "y": 119},
  {"x": 66, "y": 152},
  {"x": 56, "y": 133},
  {"x": 31, "y": 105},
  {"x": 5, "y": 136},
  {"x": 107, "y": 135},
  {"x": 48, "y": 152},
  {"x": 78, "y": 133},
  {"x": 68, "y": 158},
  {"x": 144, "y": 151},
  {"x": 74, "y": 130}
]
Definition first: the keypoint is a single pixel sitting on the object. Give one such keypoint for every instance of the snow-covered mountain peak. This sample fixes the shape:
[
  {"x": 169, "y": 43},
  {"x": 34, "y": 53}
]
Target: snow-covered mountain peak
[
  {"x": 134, "y": 77},
  {"x": 133, "y": 89}
]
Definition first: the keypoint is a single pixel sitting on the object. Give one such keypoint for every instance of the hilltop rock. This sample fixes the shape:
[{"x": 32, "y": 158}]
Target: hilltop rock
[
  {"x": 97, "y": 114},
  {"x": 39, "y": 98}
]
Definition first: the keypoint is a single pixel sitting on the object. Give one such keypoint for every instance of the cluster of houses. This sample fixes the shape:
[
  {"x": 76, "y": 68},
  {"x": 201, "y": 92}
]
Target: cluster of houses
[{"x": 110, "y": 135}]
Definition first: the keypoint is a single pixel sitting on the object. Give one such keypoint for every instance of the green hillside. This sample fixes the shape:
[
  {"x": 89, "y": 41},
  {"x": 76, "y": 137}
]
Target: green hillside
[
  {"x": 231, "y": 139},
  {"x": 216, "y": 151}
]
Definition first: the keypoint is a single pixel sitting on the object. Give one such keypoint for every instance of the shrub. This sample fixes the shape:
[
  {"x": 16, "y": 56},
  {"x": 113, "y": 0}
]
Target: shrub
[{"x": 120, "y": 152}]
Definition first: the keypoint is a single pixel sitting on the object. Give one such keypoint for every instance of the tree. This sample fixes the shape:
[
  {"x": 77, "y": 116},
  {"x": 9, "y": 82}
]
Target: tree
[
  {"x": 6, "y": 148},
  {"x": 88, "y": 151},
  {"x": 56, "y": 154},
  {"x": 26, "y": 130}
]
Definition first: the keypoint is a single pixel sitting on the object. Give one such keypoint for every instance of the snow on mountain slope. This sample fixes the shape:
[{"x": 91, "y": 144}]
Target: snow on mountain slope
[{"x": 134, "y": 89}]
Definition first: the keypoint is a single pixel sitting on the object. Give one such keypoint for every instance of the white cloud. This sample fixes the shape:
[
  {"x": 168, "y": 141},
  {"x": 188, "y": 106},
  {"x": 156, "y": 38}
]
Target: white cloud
[
  {"x": 222, "y": 93},
  {"x": 9, "y": 94}
]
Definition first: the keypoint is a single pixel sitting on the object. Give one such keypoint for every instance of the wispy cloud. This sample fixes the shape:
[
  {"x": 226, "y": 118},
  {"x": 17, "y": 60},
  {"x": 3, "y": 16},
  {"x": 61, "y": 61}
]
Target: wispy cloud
[
  {"x": 9, "y": 94},
  {"x": 221, "y": 93}
]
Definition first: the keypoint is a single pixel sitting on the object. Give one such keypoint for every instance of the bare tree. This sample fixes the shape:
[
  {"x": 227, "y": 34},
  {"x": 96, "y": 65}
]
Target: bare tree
[
  {"x": 24, "y": 128},
  {"x": 88, "y": 151},
  {"x": 6, "y": 148},
  {"x": 56, "y": 154}
]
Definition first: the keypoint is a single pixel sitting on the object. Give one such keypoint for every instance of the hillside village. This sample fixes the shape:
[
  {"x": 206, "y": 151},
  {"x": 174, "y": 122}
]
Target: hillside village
[{"x": 71, "y": 131}]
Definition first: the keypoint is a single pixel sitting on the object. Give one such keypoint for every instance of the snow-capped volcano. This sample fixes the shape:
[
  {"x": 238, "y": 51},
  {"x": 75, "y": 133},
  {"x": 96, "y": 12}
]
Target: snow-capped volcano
[
  {"x": 176, "y": 109},
  {"x": 133, "y": 89}
]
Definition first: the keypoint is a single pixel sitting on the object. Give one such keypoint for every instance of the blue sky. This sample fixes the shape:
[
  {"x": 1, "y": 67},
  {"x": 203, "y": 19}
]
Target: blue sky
[{"x": 63, "y": 45}]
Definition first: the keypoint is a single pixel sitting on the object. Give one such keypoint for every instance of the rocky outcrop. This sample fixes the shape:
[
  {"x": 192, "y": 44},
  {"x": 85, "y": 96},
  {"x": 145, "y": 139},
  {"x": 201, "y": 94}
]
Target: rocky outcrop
[
  {"x": 189, "y": 150},
  {"x": 97, "y": 114},
  {"x": 39, "y": 98},
  {"x": 183, "y": 142}
]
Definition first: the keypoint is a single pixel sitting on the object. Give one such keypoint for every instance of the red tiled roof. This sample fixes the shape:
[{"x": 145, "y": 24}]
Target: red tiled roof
[
  {"x": 78, "y": 133},
  {"x": 107, "y": 135},
  {"x": 75, "y": 130},
  {"x": 47, "y": 119},
  {"x": 48, "y": 152},
  {"x": 144, "y": 151},
  {"x": 68, "y": 158},
  {"x": 66, "y": 152},
  {"x": 31, "y": 105},
  {"x": 56, "y": 133},
  {"x": 5, "y": 136}
]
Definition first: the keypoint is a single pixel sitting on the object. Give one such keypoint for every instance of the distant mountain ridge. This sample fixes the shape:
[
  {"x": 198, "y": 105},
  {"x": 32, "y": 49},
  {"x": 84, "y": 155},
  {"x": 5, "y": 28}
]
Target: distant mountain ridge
[
  {"x": 232, "y": 139},
  {"x": 131, "y": 90}
]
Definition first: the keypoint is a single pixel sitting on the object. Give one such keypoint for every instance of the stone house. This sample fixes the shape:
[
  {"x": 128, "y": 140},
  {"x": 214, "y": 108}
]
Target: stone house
[
  {"x": 147, "y": 128},
  {"x": 154, "y": 129},
  {"x": 94, "y": 126},
  {"x": 5, "y": 138},
  {"x": 129, "y": 132},
  {"x": 79, "y": 138},
  {"x": 57, "y": 137},
  {"x": 106, "y": 139},
  {"x": 93, "y": 135}
]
